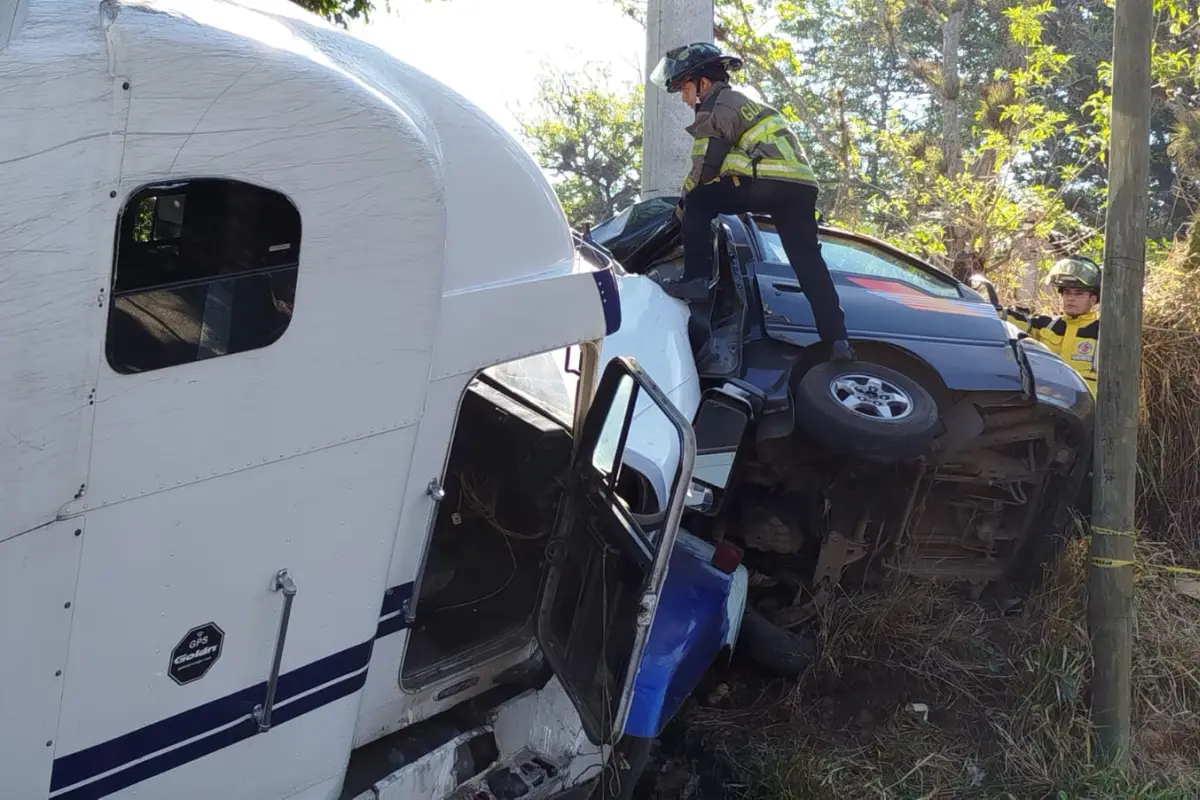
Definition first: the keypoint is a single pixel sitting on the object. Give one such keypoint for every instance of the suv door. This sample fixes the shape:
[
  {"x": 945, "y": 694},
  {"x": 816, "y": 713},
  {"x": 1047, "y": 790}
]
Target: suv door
[{"x": 604, "y": 572}]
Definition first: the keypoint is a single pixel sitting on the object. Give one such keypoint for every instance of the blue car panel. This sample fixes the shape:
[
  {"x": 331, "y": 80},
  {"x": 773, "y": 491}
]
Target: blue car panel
[{"x": 699, "y": 615}]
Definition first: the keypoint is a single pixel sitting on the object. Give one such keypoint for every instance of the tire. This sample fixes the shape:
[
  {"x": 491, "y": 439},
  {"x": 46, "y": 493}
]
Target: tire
[
  {"x": 864, "y": 432},
  {"x": 773, "y": 648}
]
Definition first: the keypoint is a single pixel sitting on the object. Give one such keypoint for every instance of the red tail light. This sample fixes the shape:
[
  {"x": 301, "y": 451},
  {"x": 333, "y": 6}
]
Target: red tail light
[{"x": 727, "y": 557}]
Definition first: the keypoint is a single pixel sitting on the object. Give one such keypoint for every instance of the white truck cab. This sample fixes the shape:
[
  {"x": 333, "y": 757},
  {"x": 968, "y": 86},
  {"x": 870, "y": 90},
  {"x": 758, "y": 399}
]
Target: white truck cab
[{"x": 310, "y": 485}]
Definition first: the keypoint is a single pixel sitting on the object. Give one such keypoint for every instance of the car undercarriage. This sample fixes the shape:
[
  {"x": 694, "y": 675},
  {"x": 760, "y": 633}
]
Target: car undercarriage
[{"x": 969, "y": 516}]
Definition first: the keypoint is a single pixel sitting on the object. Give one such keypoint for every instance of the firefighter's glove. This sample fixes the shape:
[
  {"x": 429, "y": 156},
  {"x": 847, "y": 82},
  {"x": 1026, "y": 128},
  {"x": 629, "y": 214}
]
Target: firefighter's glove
[{"x": 1017, "y": 313}]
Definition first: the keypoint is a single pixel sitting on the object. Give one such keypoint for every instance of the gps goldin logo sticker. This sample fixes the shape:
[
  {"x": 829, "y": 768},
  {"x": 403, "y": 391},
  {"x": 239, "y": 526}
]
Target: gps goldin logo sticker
[{"x": 196, "y": 653}]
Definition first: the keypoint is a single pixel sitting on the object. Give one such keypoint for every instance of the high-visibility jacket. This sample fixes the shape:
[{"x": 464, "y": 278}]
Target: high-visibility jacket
[
  {"x": 1074, "y": 339},
  {"x": 735, "y": 135}
]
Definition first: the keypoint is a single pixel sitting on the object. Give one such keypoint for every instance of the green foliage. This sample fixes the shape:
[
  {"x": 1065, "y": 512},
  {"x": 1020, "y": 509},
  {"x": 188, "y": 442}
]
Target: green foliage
[
  {"x": 976, "y": 161},
  {"x": 589, "y": 138},
  {"x": 972, "y": 162},
  {"x": 340, "y": 12}
]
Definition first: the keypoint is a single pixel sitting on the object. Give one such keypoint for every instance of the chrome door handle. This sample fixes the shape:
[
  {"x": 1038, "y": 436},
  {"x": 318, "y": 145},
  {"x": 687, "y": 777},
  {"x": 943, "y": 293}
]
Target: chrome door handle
[{"x": 283, "y": 583}]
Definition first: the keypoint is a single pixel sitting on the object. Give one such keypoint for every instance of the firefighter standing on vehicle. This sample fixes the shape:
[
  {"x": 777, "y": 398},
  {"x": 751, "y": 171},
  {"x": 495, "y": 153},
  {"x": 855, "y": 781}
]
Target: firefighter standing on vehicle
[
  {"x": 746, "y": 159},
  {"x": 1075, "y": 334}
]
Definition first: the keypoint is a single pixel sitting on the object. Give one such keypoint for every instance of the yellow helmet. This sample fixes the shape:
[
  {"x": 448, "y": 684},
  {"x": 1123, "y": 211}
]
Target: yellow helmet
[{"x": 1075, "y": 272}]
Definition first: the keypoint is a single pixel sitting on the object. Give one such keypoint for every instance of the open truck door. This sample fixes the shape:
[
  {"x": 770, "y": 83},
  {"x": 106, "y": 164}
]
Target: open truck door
[{"x": 604, "y": 570}]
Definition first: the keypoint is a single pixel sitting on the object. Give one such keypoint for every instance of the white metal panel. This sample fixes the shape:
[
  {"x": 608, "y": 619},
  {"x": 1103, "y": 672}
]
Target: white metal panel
[
  {"x": 430, "y": 776},
  {"x": 288, "y": 759},
  {"x": 490, "y": 325},
  {"x": 325, "y": 790},
  {"x": 60, "y": 144},
  {"x": 524, "y": 234},
  {"x": 486, "y": 241},
  {"x": 546, "y": 720},
  {"x": 251, "y": 100},
  {"x": 37, "y": 593},
  {"x": 654, "y": 332},
  {"x": 155, "y": 567}
]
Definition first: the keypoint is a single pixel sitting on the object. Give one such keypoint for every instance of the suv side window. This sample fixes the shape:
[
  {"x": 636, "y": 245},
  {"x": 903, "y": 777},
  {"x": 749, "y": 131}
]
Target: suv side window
[{"x": 203, "y": 268}]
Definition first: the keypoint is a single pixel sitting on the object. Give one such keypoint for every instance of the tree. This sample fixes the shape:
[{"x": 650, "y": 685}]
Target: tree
[
  {"x": 341, "y": 12},
  {"x": 589, "y": 137},
  {"x": 968, "y": 130}
]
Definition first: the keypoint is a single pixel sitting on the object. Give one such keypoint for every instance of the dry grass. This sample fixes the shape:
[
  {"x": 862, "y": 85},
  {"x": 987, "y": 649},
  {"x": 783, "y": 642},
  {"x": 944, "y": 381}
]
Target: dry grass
[
  {"x": 1169, "y": 435},
  {"x": 1006, "y": 700},
  {"x": 1007, "y": 697}
]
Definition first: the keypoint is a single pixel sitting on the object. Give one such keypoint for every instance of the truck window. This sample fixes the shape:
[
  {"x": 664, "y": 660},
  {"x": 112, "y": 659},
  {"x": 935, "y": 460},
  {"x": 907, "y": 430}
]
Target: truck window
[
  {"x": 203, "y": 268},
  {"x": 541, "y": 380}
]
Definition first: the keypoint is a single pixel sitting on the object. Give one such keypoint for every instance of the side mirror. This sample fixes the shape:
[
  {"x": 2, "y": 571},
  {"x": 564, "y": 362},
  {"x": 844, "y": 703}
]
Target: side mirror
[
  {"x": 985, "y": 287},
  {"x": 721, "y": 424}
]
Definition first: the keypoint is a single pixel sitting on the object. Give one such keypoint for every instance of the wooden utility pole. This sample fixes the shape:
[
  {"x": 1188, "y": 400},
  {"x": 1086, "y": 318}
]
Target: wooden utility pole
[{"x": 1110, "y": 600}]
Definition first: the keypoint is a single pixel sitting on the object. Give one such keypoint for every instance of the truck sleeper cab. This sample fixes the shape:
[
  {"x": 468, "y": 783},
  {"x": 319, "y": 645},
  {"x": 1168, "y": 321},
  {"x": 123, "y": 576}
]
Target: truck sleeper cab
[{"x": 248, "y": 279}]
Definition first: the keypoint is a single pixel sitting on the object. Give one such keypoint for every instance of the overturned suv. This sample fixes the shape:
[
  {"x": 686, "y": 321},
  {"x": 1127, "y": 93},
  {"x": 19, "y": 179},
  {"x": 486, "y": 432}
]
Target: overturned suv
[{"x": 951, "y": 450}]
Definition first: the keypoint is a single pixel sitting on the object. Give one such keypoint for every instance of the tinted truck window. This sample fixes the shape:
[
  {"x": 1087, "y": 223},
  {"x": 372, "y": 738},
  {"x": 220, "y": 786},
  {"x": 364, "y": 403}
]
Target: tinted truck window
[{"x": 203, "y": 268}]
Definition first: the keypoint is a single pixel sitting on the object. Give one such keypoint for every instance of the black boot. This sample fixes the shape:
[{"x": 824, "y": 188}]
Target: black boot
[{"x": 841, "y": 351}]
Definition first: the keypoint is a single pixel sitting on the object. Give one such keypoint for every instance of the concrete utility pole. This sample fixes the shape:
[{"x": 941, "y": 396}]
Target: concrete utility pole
[
  {"x": 666, "y": 147},
  {"x": 1110, "y": 598}
]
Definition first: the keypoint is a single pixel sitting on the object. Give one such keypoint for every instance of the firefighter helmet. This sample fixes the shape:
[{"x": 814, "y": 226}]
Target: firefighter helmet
[
  {"x": 682, "y": 64},
  {"x": 1075, "y": 272}
]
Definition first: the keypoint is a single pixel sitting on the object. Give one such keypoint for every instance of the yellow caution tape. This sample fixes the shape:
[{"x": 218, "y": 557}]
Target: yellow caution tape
[
  {"x": 1117, "y": 562},
  {"x": 1111, "y": 532}
]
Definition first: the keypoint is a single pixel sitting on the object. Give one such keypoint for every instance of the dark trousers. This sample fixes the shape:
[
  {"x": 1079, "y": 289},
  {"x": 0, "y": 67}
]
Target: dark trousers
[{"x": 793, "y": 209}]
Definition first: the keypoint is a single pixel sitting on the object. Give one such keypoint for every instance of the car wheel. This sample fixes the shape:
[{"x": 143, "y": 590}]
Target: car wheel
[
  {"x": 861, "y": 409},
  {"x": 773, "y": 648}
]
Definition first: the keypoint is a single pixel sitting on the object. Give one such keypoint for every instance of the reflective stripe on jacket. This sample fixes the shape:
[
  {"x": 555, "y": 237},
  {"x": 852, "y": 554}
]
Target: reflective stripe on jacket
[
  {"x": 735, "y": 135},
  {"x": 1074, "y": 339}
]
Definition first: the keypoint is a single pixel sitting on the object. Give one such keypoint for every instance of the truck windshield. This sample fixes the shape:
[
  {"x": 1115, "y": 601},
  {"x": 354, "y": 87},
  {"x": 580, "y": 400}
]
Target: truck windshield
[
  {"x": 853, "y": 257},
  {"x": 542, "y": 380}
]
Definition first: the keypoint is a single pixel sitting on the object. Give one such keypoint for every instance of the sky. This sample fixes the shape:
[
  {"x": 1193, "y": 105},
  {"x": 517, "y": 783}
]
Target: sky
[{"x": 492, "y": 51}]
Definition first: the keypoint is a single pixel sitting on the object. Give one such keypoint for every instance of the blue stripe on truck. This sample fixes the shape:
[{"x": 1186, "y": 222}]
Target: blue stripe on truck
[
  {"x": 105, "y": 768},
  {"x": 610, "y": 299}
]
